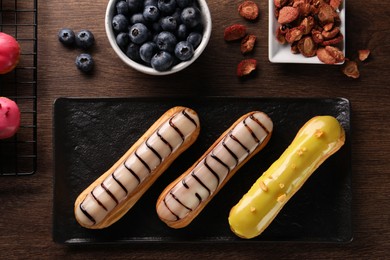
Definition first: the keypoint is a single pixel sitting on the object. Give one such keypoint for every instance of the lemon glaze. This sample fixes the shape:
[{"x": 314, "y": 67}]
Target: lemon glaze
[{"x": 318, "y": 139}]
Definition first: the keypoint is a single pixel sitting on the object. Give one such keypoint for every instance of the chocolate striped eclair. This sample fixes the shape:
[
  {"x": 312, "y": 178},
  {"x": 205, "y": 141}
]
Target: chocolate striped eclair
[
  {"x": 185, "y": 197},
  {"x": 109, "y": 197}
]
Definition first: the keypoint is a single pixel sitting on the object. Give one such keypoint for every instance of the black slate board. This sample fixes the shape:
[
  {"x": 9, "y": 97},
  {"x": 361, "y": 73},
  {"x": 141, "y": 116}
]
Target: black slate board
[{"x": 90, "y": 134}]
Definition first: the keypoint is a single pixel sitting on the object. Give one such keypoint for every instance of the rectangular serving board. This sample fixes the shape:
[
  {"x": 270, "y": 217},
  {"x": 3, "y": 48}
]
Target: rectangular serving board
[{"x": 91, "y": 134}]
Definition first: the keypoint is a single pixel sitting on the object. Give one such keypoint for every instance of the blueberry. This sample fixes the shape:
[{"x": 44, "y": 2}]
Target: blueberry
[
  {"x": 191, "y": 17},
  {"x": 184, "y": 3},
  {"x": 134, "y": 5},
  {"x": 168, "y": 23},
  {"x": 162, "y": 61},
  {"x": 66, "y": 36},
  {"x": 182, "y": 32},
  {"x": 166, "y": 41},
  {"x": 120, "y": 23},
  {"x": 139, "y": 33},
  {"x": 85, "y": 39},
  {"x": 151, "y": 13},
  {"x": 194, "y": 38},
  {"x": 122, "y": 39},
  {"x": 147, "y": 51},
  {"x": 84, "y": 62},
  {"x": 137, "y": 18},
  {"x": 133, "y": 52},
  {"x": 184, "y": 50},
  {"x": 167, "y": 6},
  {"x": 122, "y": 8}
]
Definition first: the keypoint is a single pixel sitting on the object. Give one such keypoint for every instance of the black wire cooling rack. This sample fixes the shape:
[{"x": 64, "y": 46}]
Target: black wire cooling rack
[{"x": 18, "y": 154}]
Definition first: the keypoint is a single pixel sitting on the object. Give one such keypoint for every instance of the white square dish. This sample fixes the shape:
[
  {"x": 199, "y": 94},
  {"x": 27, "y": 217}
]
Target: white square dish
[{"x": 281, "y": 53}]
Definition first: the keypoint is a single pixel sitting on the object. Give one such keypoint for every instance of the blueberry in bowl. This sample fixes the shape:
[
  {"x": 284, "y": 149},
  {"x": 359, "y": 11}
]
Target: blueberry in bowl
[{"x": 158, "y": 37}]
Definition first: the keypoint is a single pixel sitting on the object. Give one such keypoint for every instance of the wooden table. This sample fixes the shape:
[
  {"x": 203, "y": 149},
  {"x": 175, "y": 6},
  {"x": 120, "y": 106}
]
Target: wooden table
[{"x": 26, "y": 202}]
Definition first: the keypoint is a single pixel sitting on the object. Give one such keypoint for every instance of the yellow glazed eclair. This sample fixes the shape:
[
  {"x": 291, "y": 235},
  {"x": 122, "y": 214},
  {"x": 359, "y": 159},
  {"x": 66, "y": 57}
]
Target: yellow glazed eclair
[
  {"x": 185, "y": 197},
  {"x": 109, "y": 197},
  {"x": 318, "y": 139}
]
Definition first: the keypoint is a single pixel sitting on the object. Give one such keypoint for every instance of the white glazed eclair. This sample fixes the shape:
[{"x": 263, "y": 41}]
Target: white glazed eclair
[
  {"x": 109, "y": 197},
  {"x": 185, "y": 197},
  {"x": 318, "y": 139}
]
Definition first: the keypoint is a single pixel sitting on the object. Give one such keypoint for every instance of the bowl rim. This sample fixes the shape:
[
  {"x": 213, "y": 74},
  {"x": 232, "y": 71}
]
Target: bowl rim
[{"x": 206, "y": 19}]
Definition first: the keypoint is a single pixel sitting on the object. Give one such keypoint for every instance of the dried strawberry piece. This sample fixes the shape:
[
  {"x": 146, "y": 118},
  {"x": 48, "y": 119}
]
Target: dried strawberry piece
[
  {"x": 307, "y": 47},
  {"x": 249, "y": 10},
  {"x": 331, "y": 34},
  {"x": 248, "y": 43},
  {"x": 325, "y": 57},
  {"x": 350, "y": 69},
  {"x": 295, "y": 34},
  {"x": 363, "y": 54},
  {"x": 308, "y": 23},
  {"x": 245, "y": 67},
  {"x": 326, "y": 14},
  {"x": 335, "y": 53},
  {"x": 288, "y": 14},
  {"x": 317, "y": 36},
  {"x": 234, "y": 32},
  {"x": 333, "y": 41}
]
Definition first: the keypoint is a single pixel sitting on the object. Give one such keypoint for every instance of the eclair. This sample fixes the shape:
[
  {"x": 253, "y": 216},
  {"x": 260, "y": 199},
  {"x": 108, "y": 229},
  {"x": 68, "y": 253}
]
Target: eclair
[
  {"x": 184, "y": 198},
  {"x": 113, "y": 194},
  {"x": 318, "y": 139}
]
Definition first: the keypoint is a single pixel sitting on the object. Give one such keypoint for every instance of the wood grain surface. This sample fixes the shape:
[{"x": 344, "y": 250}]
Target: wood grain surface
[{"x": 26, "y": 202}]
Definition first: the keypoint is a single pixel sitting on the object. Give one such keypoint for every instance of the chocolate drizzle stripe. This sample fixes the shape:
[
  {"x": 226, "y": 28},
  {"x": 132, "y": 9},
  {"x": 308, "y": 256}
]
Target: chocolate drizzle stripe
[
  {"x": 86, "y": 213},
  {"x": 190, "y": 118},
  {"x": 133, "y": 173},
  {"x": 98, "y": 201},
  {"x": 120, "y": 184},
  {"x": 200, "y": 182},
  {"x": 110, "y": 193},
  {"x": 153, "y": 150},
  {"x": 238, "y": 141},
  {"x": 184, "y": 183},
  {"x": 143, "y": 162},
  {"x": 164, "y": 141},
  {"x": 230, "y": 151},
  {"x": 259, "y": 123},
  {"x": 257, "y": 140},
  {"x": 211, "y": 170},
  {"x": 199, "y": 197},
  {"x": 178, "y": 201},
  {"x": 220, "y": 161},
  {"x": 176, "y": 129},
  {"x": 166, "y": 205}
]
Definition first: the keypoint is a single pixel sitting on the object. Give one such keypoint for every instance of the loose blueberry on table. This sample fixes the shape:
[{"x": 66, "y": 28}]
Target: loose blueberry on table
[
  {"x": 67, "y": 36},
  {"x": 160, "y": 33},
  {"x": 85, "y": 39},
  {"x": 84, "y": 62}
]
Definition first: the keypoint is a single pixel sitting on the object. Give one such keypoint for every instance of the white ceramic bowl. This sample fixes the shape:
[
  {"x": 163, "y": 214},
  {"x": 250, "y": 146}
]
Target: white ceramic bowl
[
  {"x": 278, "y": 53},
  {"x": 206, "y": 20}
]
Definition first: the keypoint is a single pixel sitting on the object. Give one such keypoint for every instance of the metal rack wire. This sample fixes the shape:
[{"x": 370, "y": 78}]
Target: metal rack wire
[{"x": 18, "y": 154}]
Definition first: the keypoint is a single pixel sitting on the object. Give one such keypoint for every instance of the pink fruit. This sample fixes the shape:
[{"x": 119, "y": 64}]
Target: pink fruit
[
  {"x": 9, "y": 53},
  {"x": 9, "y": 117}
]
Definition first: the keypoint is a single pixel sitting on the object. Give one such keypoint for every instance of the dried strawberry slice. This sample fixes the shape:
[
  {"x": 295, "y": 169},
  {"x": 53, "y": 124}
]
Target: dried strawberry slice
[
  {"x": 234, "y": 32},
  {"x": 249, "y": 10},
  {"x": 248, "y": 43},
  {"x": 245, "y": 67},
  {"x": 351, "y": 69},
  {"x": 363, "y": 54}
]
